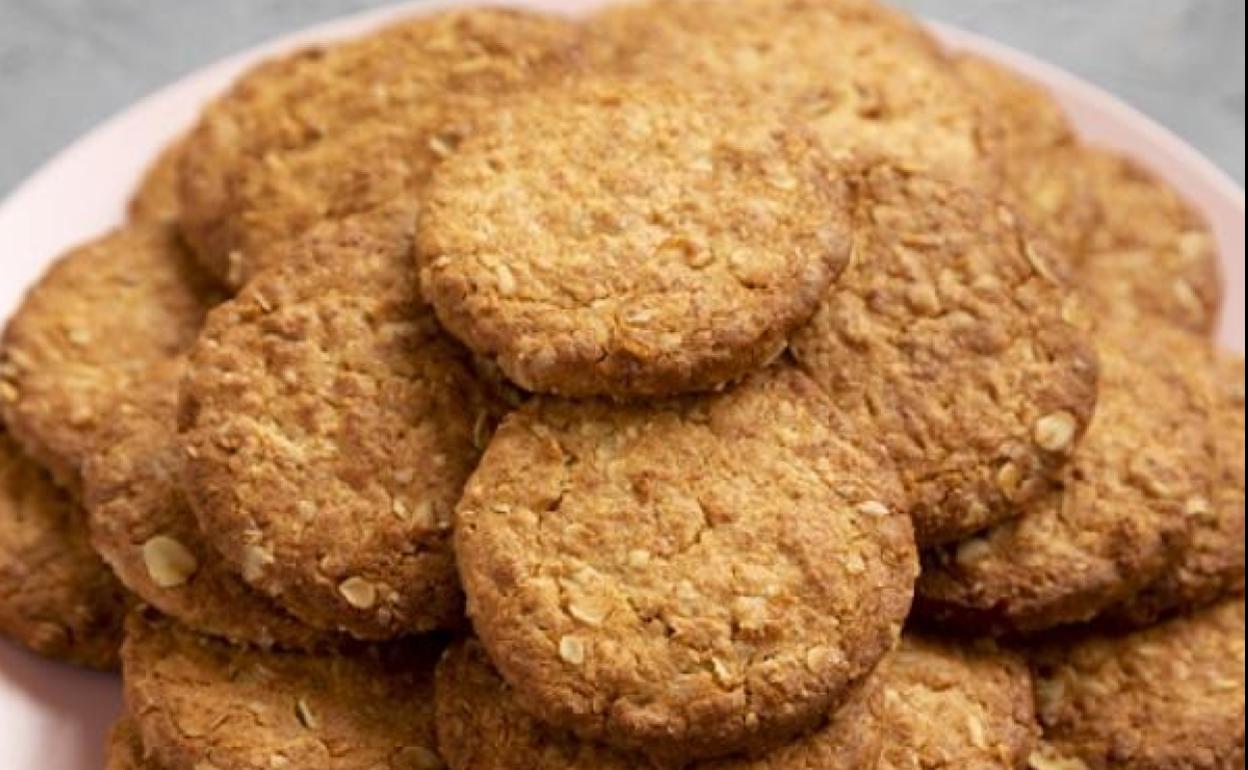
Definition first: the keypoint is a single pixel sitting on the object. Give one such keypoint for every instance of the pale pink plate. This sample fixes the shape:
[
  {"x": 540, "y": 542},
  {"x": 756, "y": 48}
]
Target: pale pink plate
[{"x": 55, "y": 718}]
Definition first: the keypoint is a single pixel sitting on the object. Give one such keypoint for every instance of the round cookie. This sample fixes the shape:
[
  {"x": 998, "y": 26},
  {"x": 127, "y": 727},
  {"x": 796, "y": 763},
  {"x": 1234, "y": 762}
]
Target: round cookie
[
  {"x": 884, "y": 86},
  {"x": 482, "y": 726},
  {"x": 156, "y": 199},
  {"x": 56, "y": 596},
  {"x": 327, "y": 133},
  {"x": 1152, "y": 256},
  {"x": 141, "y": 525},
  {"x": 644, "y": 239},
  {"x": 92, "y": 327},
  {"x": 1122, "y": 516},
  {"x": 690, "y": 578},
  {"x": 957, "y": 707},
  {"x": 198, "y": 703},
  {"x": 1212, "y": 564},
  {"x": 330, "y": 426},
  {"x": 1169, "y": 697},
  {"x": 1039, "y": 155},
  {"x": 946, "y": 337},
  {"x": 125, "y": 750}
]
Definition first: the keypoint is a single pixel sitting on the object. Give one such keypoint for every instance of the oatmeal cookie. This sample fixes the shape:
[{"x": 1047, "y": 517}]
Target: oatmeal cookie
[
  {"x": 1152, "y": 256},
  {"x": 1040, "y": 155},
  {"x": 644, "y": 239},
  {"x": 946, "y": 336},
  {"x": 330, "y": 132},
  {"x": 56, "y": 596},
  {"x": 330, "y": 426},
  {"x": 90, "y": 329},
  {"x": 689, "y": 578},
  {"x": 125, "y": 750},
  {"x": 1169, "y": 697},
  {"x": 866, "y": 78},
  {"x": 141, "y": 524},
  {"x": 482, "y": 726},
  {"x": 197, "y": 702},
  {"x": 951, "y": 706},
  {"x": 1122, "y": 516},
  {"x": 1212, "y": 565},
  {"x": 156, "y": 199}
]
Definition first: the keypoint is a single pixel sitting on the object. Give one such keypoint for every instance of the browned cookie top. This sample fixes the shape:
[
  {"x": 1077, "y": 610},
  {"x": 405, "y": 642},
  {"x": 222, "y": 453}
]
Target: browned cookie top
[
  {"x": 90, "y": 329},
  {"x": 946, "y": 337},
  {"x": 1212, "y": 564},
  {"x": 482, "y": 726},
  {"x": 1167, "y": 698},
  {"x": 951, "y": 706},
  {"x": 202, "y": 703},
  {"x": 1153, "y": 255},
  {"x": 685, "y": 578},
  {"x": 1123, "y": 513},
  {"x": 330, "y": 427},
  {"x": 333, "y": 131},
  {"x": 1039, "y": 152},
  {"x": 865, "y": 77},
  {"x": 156, "y": 199},
  {"x": 631, "y": 238},
  {"x": 56, "y": 596},
  {"x": 142, "y": 525}
]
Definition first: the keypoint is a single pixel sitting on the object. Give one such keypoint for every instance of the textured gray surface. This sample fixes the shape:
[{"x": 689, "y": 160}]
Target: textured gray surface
[{"x": 67, "y": 64}]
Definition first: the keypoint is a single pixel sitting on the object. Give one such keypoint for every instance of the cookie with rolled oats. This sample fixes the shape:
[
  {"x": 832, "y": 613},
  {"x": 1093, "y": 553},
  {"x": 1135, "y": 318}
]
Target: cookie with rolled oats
[
  {"x": 687, "y": 578},
  {"x": 197, "y": 702},
  {"x": 329, "y": 427}
]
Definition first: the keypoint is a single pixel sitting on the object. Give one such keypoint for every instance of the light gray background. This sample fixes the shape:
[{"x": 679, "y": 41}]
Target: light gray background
[{"x": 67, "y": 64}]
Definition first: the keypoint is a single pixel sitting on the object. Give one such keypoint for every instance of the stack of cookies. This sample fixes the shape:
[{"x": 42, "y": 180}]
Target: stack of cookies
[{"x": 725, "y": 385}]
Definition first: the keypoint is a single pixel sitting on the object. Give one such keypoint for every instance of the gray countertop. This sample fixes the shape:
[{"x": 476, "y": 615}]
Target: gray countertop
[{"x": 67, "y": 64}]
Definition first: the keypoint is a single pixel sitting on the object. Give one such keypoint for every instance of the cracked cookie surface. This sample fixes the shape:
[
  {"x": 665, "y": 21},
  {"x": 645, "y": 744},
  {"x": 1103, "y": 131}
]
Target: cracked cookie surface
[
  {"x": 1122, "y": 515},
  {"x": 482, "y": 726},
  {"x": 198, "y": 702},
  {"x": 883, "y": 87},
  {"x": 1169, "y": 697},
  {"x": 56, "y": 596},
  {"x": 688, "y": 578},
  {"x": 142, "y": 526},
  {"x": 89, "y": 330},
  {"x": 330, "y": 426},
  {"x": 946, "y": 337},
  {"x": 332, "y": 132},
  {"x": 951, "y": 706},
  {"x": 631, "y": 239}
]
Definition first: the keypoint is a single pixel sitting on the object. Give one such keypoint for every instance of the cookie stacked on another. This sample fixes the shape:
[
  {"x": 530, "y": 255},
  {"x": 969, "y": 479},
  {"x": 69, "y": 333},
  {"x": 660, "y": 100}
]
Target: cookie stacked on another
[{"x": 714, "y": 385}]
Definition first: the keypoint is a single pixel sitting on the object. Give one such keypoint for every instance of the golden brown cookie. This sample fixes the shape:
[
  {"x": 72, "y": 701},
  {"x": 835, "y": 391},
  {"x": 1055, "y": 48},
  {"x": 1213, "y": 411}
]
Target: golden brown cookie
[
  {"x": 951, "y": 706},
  {"x": 1039, "y": 154},
  {"x": 1153, "y": 255},
  {"x": 330, "y": 427},
  {"x": 198, "y": 703},
  {"x": 1122, "y": 516},
  {"x": 1212, "y": 564},
  {"x": 141, "y": 524},
  {"x": 881, "y": 85},
  {"x": 482, "y": 726},
  {"x": 644, "y": 239},
  {"x": 91, "y": 327},
  {"x": 689, "y": 578},
  {"x": 56, "y": 596},
  {"x": 330, "y": 132},
  {"x": 156, "y": 199},
  {"x": 1167, "y": 698},
  {"x": 946, "y": 338},
  {"x": 125, "y": 749}
]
